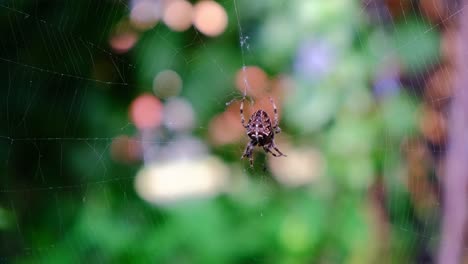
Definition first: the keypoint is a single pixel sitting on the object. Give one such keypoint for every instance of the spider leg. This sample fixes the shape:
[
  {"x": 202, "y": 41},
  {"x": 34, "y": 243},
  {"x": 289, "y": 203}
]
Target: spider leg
[
  {"x": 242, "y": 113},
  {"x": 248, "y": 152},
  {"x": 267, "y": 150},
  {"x": 273, "y": 145},
  {"x": 275, "y": 122},
  {"x": 281, "y": 153}
]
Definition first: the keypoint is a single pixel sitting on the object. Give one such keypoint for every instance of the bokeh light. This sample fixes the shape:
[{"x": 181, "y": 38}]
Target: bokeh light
[
  {"x": 123, "y": 37},
  {"x": 386, "y": 83},
  {"x": 125, "y": 149},
  {"x": 397, "y": 8},
  {"x": 181, "y": 180},
  {"x": 178, "y": 15},
  {"x": 167, "y": 83},
  {"x": 146, "y": 111},
  {"x": 182, "y": 147},
  {"x": 178, "y": 115},
  {"x": 121, "y": 43},
  {"x": 435, "y": 10},
  {"x": 433, "y": 125},
  {"x": 363, "y": 91},
  {"x": 439, "y": 86},
  {"x": 448, "y": 45},
  {"x": 281, "y": 85},
  {"x": 418, "y": 184},
  {"x": 225, "y": 128},
  {"x": 302, "y": 166},
  {"x": 265, "y": 104},
  {"x": 210, "y": 18},
  {"x": 315, "y": 59},
  {"x": 144, "y": 14},
  {"x": 252, "y": 79}
]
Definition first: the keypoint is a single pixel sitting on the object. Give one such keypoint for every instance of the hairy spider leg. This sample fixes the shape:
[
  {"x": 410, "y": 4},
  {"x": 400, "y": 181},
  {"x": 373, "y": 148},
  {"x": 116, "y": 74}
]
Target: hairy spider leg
[
  {"x": 275, "y": 123},
  {"x": 267, "y": 150},
  {"x": 248, "y": 153},
  {"x": 273, "y": 145},
  {"x": 242, "y": 113}
]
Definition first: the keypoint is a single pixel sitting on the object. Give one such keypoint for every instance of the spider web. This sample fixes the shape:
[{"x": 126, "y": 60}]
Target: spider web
[{"x": 362, "y": 90}]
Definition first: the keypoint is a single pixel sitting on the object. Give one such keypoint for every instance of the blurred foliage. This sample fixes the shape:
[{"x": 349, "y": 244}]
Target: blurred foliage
[{"x": 64, "y": 200}]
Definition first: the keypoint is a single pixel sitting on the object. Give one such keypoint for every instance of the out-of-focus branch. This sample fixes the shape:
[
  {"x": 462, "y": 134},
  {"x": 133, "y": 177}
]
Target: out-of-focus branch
[{"x": 456, "y": 178}]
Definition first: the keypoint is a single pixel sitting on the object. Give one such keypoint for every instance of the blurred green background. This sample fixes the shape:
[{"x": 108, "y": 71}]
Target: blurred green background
[{"x": 120, "y": 135}]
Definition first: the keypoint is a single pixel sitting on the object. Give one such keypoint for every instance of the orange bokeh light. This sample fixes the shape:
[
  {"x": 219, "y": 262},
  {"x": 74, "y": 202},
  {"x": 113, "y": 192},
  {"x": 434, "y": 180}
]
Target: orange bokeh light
[
  {"x": 125, "y": 149},
  {"x": 178, "y": 15},
  {"x": 433, "y": 125},
  {"x": 226, "y": 128},
  {"x": 253, "y": 80},
  {"x": 264, "y": 104},
  {"x": 435, "y": 10},
  {"x": 210, "y": 18},
  {"x": 146, "y": 111}
]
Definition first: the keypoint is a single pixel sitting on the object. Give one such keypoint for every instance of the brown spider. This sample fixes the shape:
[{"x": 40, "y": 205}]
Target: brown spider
[{"x": 260, "y": 131}]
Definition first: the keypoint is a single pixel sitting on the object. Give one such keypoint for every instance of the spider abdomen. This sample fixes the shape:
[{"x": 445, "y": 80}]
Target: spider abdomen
[{"x": 259, "y": 128}]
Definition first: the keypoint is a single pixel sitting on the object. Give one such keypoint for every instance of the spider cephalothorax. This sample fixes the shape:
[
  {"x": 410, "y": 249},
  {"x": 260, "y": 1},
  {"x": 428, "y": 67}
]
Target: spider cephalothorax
[{"x": 261, "y": 131}]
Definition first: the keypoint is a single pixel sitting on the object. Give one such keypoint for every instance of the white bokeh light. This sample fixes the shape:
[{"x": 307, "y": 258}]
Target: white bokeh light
[{"x": 163, "y": 183}]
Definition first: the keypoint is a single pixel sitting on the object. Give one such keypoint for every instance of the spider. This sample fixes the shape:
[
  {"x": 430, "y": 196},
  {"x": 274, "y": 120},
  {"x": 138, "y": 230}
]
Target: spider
[{"x": 260, "y": 131}]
